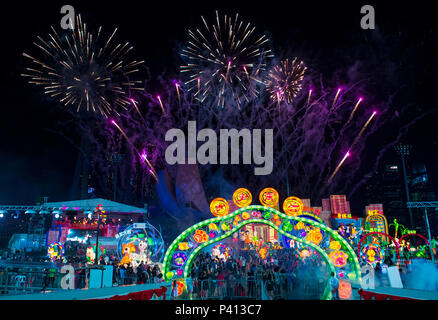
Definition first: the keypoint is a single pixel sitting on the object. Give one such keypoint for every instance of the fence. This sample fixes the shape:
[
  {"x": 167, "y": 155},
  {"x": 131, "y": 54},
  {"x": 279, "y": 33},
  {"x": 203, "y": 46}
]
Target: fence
[{"x": 285, "y": 286}]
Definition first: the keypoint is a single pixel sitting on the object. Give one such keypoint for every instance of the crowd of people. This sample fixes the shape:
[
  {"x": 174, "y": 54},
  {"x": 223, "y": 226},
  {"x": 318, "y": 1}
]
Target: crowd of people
[{"x": 246, "y": 274}]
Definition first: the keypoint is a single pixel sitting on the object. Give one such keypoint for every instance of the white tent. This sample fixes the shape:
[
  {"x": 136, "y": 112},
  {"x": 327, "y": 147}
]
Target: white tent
[{"x": 91, "y": 205}]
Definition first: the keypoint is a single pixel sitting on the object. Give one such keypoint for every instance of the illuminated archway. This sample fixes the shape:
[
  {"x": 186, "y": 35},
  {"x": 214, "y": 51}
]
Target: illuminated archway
[{"x": 333, "y": 248}]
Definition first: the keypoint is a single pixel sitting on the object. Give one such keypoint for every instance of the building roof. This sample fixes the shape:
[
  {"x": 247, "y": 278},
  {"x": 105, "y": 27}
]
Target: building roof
[{"x": 91, "y": 204}]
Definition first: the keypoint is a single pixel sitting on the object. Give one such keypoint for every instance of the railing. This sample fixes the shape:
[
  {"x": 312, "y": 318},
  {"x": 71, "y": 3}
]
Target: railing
[
  {"x": 285, "y": 286},
  {"x": 18, "y": 282},
  {"x": 19, "y": 279}
]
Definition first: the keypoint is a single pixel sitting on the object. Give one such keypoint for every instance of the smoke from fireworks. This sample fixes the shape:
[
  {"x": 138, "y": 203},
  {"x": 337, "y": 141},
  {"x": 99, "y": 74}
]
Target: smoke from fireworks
[
  {"x": 83, "y": 70},
  {"x": 285, "y": 80},
  {"x": 225, "y": 59},
  {"x": 141, "y": 155}
]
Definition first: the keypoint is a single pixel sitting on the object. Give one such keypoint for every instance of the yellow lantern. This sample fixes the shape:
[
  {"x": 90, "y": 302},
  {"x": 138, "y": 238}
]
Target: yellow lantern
[
  {"x": 269, "y": 197},
  {"x": 242, "y": 197},
  {"x": 293, "y": 206},
  {"x": 219, "y": 207}
]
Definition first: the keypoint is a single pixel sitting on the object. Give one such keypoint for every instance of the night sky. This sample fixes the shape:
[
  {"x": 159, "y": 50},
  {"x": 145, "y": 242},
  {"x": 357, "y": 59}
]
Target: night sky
[{"x": 37, "y": 161}]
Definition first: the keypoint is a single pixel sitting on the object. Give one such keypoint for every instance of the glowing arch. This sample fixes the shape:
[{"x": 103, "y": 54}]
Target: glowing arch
[{"x": 183, "y": 250}]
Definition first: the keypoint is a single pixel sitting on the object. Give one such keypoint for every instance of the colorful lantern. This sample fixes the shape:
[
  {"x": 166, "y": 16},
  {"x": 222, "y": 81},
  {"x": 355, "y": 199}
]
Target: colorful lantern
[
  {"x": 293, "y": 206},
  {"x": 219, "y": 207},
  {"x": 269, "y": 197},
  {"x": 242, "y": 197}
]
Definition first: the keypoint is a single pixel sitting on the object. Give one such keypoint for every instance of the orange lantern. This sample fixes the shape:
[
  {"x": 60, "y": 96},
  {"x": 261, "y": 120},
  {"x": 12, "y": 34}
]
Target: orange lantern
[
  {"x": 293, "y": 206},
  {"x": 269, "y": 197},
  {"x": 219, "y": 207},
  {"x": 242, "y": 197}
]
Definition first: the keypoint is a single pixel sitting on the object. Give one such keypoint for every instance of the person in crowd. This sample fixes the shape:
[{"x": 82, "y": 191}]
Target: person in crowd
[
  {"x": 174, "y": 290},
  {"x": 334, "y": 286}
]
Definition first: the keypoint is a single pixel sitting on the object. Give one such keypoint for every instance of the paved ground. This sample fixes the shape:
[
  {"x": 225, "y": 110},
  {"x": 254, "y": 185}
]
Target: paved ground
[
  {"x": 84, "y": 294},
  {"x": 409, "y": 293}
]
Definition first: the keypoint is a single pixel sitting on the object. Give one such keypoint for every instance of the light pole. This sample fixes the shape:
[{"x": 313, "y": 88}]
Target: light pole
[
  {"x": 425, "y": 205},
  {"x": 403, "y": 151}
]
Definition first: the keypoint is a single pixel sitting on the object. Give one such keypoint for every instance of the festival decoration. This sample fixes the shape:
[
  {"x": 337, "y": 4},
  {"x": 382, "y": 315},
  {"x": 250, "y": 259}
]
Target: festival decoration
[
  {"x": 345, "y": 258},
  {"x": 288, "y": 226},
  {"x": 293, "y": 206},
  {"x": 242, "y": 197},
  {"x": 236, "y": 220},
  {"x": 183, "y": 246},
  {"x": 91, "y": 253},
  {"x": 225, "y": 226},
  {"x": 246, "y": 215},
  {"x": 56, "y": 251},
  {"x": 127, "y": 249},
  {"x": 200, "y": 236},
  {"x": 140, "y": 242},
  {"x": 339, "y": 258},
  {"x": 314, "y": 236},
  {"x": 335, "y": 245},
  {"x": 219, "y": 207},
  {"x": 221, "y": 252},
  {"x": 179, "y": 258},
  {"x": 300, "y": 225},
  {"x": 269, "y": 197},
  {"x": 371, "y": 253},
  {"x": 304, "y": 252},
  {"x": 344, "y": 290},
  {"x": 212, "y": 226},
  {"x": 181, "y": 286}
]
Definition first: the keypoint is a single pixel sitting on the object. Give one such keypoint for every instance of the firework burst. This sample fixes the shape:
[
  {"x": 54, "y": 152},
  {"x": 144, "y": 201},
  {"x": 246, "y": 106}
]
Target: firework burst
[
  {"x": 284, "y": 80},
  {"x": 84, "y": 71},
  {"x": 225, "y": 59}
]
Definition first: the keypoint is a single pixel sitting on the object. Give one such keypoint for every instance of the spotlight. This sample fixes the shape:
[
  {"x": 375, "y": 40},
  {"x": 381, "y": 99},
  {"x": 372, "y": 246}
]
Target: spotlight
[{"x": 57, "y": 213}]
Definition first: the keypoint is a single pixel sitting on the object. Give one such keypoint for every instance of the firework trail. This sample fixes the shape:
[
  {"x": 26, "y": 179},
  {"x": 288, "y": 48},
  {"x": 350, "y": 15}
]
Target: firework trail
[
  {"x": 83, "y": 70},
  {"x": 161, "y": 103},
  {"x": 353, "y": 112},
  {"x": 284, "y": 81},
  {"x": 225, "y": 59},
  {"x": 141, "y": 155},
  {"x": 339, "y": 165},
  {"x": 336, "y": 97},
  {"x": 363, "y": 129}
]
